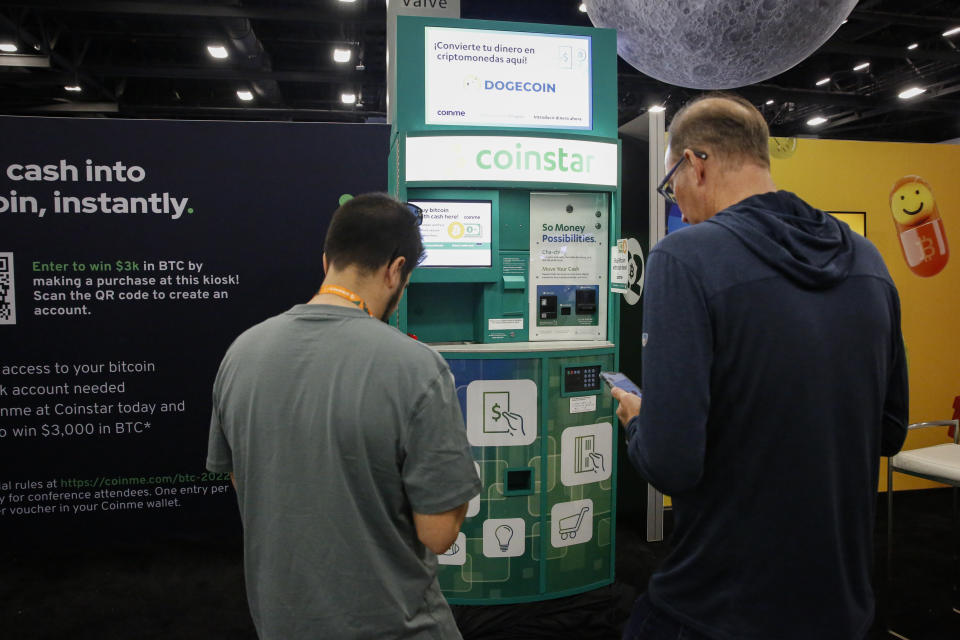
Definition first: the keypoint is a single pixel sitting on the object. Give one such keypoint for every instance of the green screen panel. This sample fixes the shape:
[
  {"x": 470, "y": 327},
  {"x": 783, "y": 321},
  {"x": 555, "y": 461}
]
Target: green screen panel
[
  {"x": 580, "y": 474},
  {"x": 567, "y": 517},
  {"x": 492, "y": 579}
]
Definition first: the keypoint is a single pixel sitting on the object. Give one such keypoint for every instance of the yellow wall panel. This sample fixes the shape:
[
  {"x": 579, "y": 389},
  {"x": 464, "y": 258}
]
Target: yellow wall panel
[{"x": 847, "y": 176}]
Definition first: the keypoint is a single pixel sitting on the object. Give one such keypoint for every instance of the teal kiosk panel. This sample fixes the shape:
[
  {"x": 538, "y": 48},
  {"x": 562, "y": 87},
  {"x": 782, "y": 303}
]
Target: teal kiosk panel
[{"x": 506, "y": 137}]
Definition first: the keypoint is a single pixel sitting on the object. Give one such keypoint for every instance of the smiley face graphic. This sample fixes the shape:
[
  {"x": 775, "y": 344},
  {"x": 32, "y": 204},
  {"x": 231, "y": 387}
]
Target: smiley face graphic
[
  {"x": 920, "y": 229},
  {"x": 911, "y": 201}
]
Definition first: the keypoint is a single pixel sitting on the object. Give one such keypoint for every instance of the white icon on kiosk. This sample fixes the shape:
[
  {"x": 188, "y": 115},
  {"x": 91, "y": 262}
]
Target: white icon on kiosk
[
  {"x": 501, "y": 413},
  {"x": 586, "y": 454},
  {"x": 457, "y": 553},
  {"x": 571, "y": 523},
  {"x": 504, "y": 537}
]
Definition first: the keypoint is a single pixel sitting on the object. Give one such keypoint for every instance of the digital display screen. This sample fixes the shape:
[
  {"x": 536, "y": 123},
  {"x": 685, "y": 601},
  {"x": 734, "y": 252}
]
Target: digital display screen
[
  {"x": 576, "y": 379},
  {"x": 477, "y": 77},
  {"x": 456, "y": 233}
]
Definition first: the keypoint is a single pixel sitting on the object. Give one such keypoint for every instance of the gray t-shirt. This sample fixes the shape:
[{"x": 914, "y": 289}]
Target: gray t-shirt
[{"x": 338, "y": 427}]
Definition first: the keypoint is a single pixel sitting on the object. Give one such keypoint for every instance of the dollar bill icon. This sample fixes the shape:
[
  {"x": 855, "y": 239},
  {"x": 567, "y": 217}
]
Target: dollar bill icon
[{"x": 495, "y": 403}]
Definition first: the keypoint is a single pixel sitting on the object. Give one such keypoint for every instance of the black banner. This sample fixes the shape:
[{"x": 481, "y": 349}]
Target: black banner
[{"x": 132, "y": 252}]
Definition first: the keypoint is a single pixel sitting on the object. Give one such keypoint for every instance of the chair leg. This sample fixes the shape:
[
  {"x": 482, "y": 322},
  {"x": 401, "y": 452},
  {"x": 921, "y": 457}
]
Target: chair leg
[{"x": 955, "y": 602}]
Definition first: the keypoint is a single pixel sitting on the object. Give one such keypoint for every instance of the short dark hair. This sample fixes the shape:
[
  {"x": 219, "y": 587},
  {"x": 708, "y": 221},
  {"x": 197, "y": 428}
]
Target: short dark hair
[
  {"x": 724, "y": 123},
  {"x": 371, "y": 230}
]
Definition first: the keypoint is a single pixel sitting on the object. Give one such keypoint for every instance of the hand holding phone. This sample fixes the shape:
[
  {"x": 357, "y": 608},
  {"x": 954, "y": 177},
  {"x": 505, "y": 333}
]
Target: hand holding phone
[
  {"x": 628, "y": 397},
  {"x": 620, "y": 381}
]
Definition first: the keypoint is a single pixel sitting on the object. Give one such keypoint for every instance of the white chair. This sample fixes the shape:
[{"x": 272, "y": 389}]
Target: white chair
[{"x": 940, "y": 463}]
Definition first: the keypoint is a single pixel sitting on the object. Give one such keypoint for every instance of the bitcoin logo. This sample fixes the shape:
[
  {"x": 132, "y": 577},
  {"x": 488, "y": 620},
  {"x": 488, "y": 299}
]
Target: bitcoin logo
[
  {"x": 929, "y": 251},
  {"x": 456, "y": 230}
]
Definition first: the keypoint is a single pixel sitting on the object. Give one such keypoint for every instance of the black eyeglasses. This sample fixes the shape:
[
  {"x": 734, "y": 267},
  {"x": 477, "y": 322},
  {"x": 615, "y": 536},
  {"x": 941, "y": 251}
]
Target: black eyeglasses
[
  {"x": 665, "y": 189},
  {"x": 416, "y": 211}
]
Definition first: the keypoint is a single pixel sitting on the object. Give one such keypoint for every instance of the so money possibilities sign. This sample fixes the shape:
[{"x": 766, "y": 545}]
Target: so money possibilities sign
[{"x": 510, "y": 159}]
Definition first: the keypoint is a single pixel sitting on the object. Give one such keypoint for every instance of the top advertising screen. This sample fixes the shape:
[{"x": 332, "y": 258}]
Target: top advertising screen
[{"x": 488, "y": 78}]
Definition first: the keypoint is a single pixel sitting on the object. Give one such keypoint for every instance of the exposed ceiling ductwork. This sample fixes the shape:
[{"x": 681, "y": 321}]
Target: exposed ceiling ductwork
[{"x": 134, "y": 58}]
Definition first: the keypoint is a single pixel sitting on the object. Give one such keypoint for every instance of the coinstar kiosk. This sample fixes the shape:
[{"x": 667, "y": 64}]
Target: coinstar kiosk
[{"x": 505, "y": 134}]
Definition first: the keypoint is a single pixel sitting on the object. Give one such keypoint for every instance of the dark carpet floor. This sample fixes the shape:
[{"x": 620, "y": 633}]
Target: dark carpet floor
[{"x": 188, "y": 589}]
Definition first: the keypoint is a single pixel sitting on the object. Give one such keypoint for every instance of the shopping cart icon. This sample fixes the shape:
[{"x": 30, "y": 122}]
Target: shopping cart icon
[{"x": 571, "y": 524}]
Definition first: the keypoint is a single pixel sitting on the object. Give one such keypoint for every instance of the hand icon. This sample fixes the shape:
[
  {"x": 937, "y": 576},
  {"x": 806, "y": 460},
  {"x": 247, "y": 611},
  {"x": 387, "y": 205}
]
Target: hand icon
[
  {"x": 514, "y": 421},
  {"x": 597, "y": 461}
]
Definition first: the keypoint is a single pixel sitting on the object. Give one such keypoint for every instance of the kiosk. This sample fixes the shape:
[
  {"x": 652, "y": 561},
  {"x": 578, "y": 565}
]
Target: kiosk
[{"x": 505, "y": 134}]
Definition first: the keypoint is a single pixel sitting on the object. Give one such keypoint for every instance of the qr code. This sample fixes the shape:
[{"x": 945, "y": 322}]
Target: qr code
[{"x": 8, "y": 298}]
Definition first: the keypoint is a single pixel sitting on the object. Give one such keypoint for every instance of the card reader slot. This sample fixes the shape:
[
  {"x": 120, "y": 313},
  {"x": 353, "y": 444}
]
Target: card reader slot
[{"x": 586, "y": 302}]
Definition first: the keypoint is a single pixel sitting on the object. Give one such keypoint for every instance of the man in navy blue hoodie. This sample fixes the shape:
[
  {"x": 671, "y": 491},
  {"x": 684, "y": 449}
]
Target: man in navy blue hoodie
[{"x": 774, "y": 380}]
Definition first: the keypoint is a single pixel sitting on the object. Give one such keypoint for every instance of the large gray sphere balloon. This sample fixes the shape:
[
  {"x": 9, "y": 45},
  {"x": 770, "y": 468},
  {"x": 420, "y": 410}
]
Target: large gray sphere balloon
[{"x": 718, "y": 44}]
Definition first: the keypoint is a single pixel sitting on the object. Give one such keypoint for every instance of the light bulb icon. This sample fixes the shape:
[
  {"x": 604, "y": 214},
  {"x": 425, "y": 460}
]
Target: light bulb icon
[{"x": 503, "y": 534}]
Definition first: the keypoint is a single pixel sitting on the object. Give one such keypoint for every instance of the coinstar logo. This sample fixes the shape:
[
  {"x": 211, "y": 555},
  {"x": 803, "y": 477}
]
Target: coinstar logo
[
  {"x": 519, "y": 158},
  {"x": 521, "y": 86},
  {"x": 510, "y": 159}
]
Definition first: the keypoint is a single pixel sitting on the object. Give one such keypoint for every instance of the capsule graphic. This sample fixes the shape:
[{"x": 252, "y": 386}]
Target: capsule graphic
[{"x": 923, "y": 239}]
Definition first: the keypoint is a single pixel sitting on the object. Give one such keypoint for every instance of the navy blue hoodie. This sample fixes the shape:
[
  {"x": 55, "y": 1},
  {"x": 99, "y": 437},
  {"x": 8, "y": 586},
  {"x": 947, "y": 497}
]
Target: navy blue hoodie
[{"x": 774, "y": 379}]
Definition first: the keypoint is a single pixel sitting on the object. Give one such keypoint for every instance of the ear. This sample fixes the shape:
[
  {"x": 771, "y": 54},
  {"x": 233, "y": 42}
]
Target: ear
[
  {"x": 326, "y": 265},
  {"x": 394, "y": 273},
  {"x": 699, "y": 166}
]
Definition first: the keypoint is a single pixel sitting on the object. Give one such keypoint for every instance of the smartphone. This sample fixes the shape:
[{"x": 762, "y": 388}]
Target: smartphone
[{"x": 617, "y": 379}]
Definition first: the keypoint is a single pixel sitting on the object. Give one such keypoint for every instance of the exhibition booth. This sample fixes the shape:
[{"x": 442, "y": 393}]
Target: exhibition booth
[{"x": 134, "y": 251}]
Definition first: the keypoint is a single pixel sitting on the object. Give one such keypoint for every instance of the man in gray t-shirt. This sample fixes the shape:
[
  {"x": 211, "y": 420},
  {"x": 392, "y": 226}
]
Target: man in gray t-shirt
[{"x": 347, "y": 446}]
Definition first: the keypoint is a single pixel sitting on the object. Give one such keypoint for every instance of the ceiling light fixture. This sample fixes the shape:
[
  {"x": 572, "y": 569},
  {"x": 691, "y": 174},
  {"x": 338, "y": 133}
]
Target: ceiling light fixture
[
  {"x": 342, "y": 55},
  {"x": 245, "y": 95},
  {"x": 583, "y": 7},
  {"x": 8, "y": 47},
  {"x": 348, "y": 98},
  {"x": 656, "y": 108},
  {"x": 73, "y": 87},
  {"x": 911, "y": 47},
  {"x": 217, "y": 51},
  {"x": 769, "y": 102},
  {"x": 912, "y": 92},
  {"x": 816, "y": 121},
  {"x": 951, "y": 32},
  {"x": 822, "y": 81},
  {"x": 22, "y": 60},
  {"x": 861, "y": 66},
  {"x": 351, "y": 1}
]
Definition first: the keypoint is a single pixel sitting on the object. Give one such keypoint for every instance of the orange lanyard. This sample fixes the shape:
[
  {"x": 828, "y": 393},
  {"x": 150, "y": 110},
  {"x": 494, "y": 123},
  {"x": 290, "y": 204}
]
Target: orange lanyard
[{"x": 346, "y": 294}]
